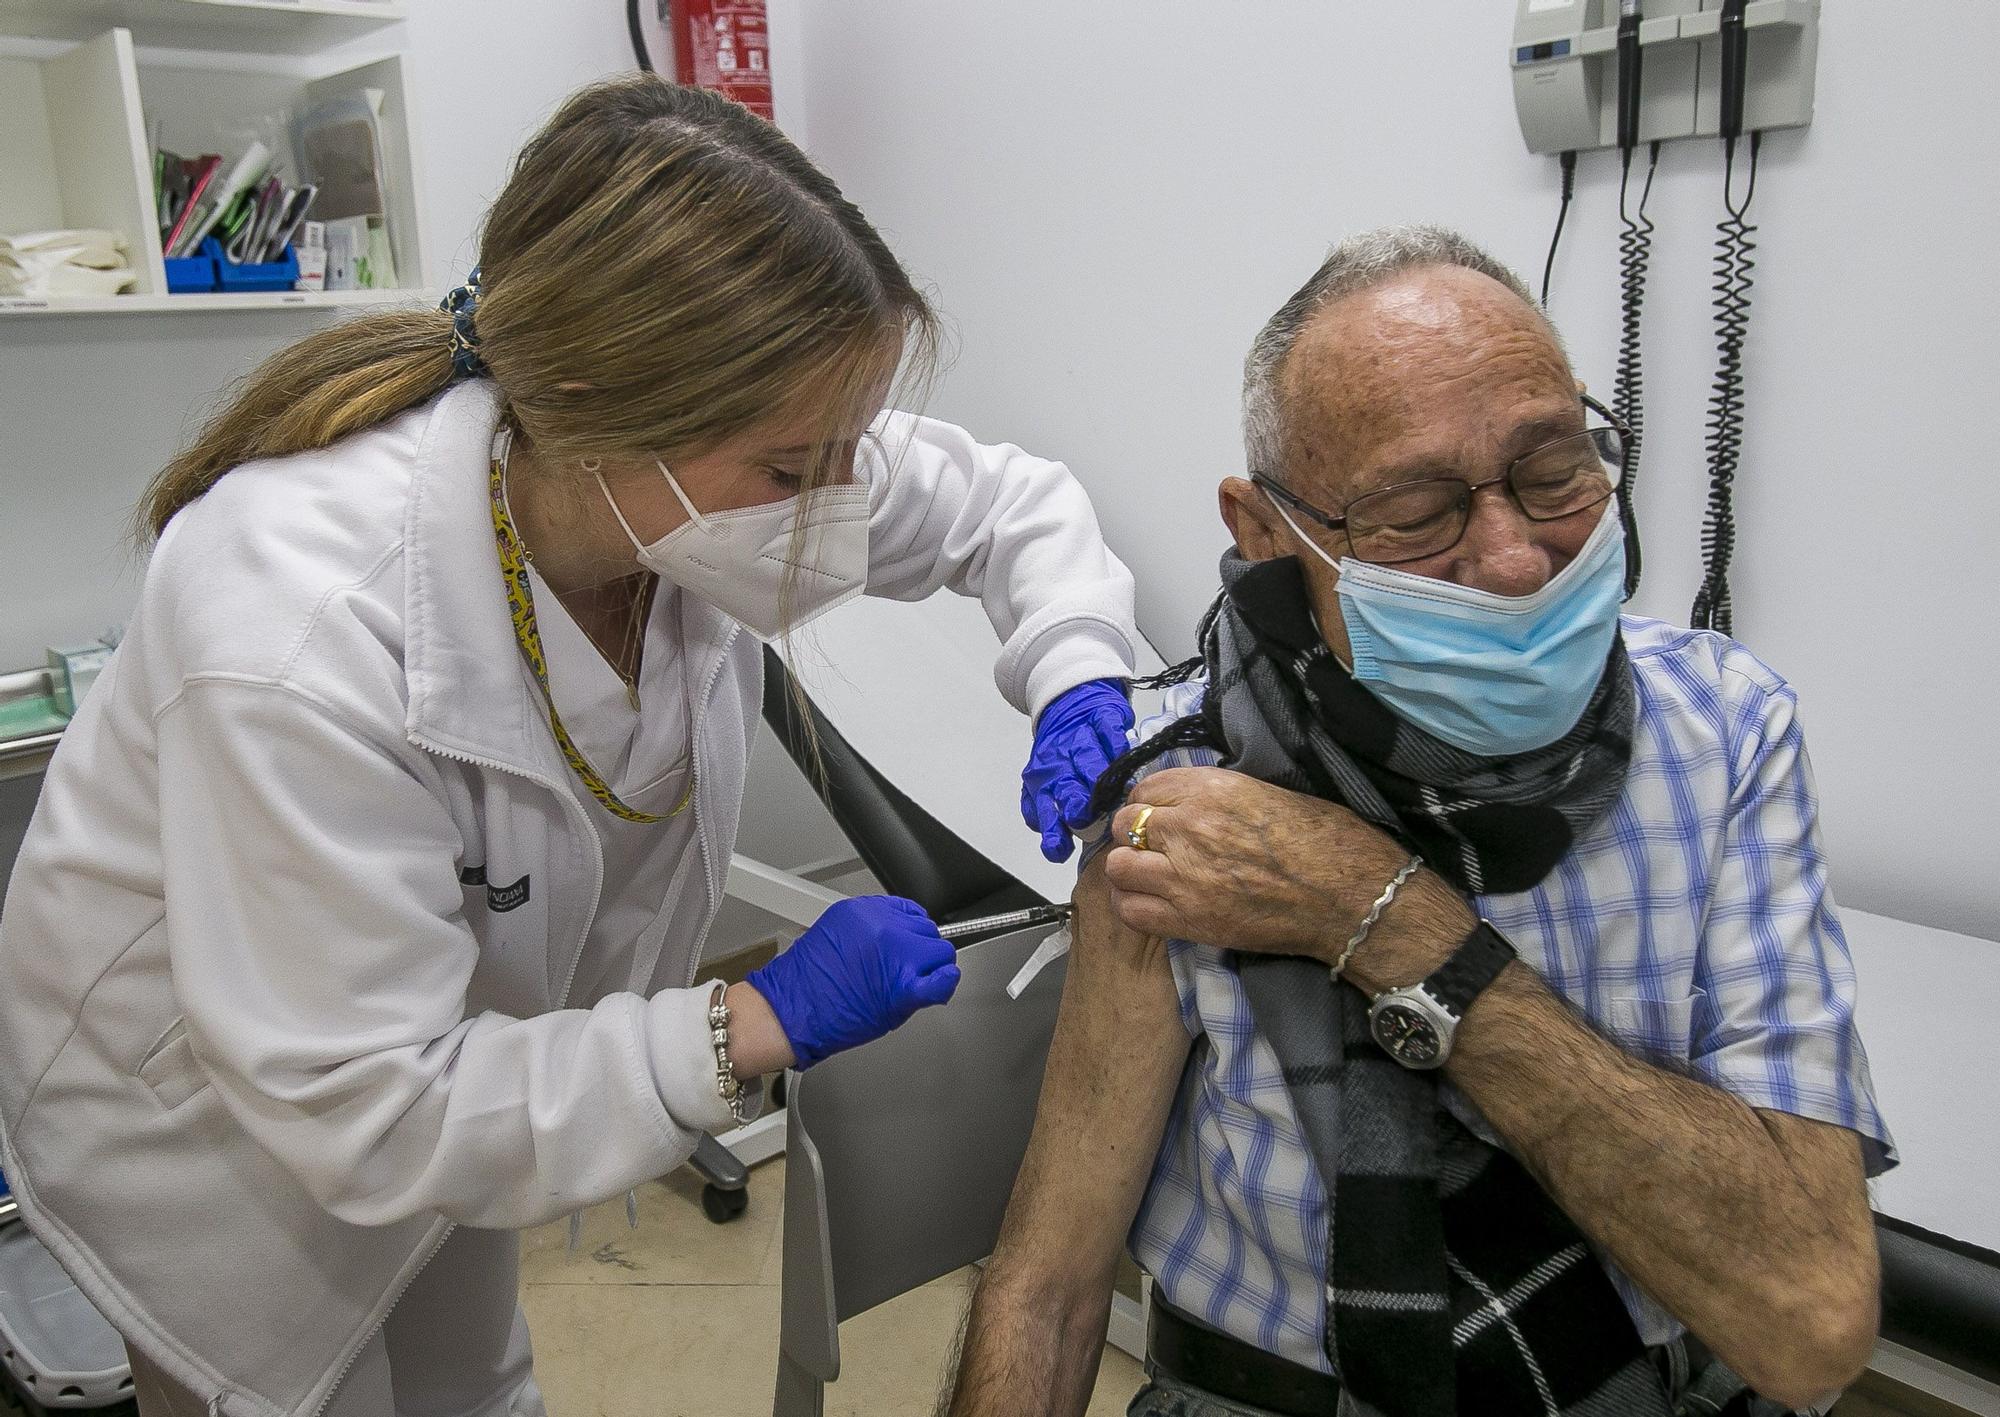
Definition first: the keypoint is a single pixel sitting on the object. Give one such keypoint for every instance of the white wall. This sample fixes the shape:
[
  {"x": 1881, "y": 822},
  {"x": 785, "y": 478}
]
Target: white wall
[
  {"x": 91, "y": 407},
  {"x": 1110, "y": 198},
  {"x": 1107, "y": 222}
]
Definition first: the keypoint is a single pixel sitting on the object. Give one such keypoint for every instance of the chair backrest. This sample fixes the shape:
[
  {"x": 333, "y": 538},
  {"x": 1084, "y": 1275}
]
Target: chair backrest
[
  {"x": 17, "y": 805},
  {"x": 900, "y": 1156},
  {"x": 910, "y": 852}
]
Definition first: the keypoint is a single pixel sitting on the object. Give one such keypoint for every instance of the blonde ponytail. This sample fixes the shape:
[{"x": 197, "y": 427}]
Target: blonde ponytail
[{"x": 309, "y": 395}]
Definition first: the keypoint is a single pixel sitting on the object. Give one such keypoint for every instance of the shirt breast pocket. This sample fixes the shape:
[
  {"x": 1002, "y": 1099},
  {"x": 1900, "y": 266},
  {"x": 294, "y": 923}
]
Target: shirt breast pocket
[{"x": 1660, "y": 1029}]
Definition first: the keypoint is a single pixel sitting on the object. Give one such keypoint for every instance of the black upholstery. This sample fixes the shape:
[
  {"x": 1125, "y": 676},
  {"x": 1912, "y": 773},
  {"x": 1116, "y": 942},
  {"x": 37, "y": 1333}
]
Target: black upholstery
[
  {"x": 911, "y": 853},
  {"x": 1940, "y": 1297},
  {"x": 17, "y": 805}
]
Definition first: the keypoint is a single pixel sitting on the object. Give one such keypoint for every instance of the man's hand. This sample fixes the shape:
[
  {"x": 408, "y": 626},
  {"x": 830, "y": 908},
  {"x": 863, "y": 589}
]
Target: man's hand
[{"x": 1239, "y": 864}]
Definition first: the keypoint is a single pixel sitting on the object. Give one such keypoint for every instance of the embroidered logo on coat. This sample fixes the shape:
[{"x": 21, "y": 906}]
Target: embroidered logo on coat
[
  {"x": 499, "y": 899},
  {"x": 504, "y": 898}
]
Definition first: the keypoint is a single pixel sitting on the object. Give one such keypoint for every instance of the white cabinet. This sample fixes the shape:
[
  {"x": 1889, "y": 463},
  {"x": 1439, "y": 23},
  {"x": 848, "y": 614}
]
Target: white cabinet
[
  {"x": 75, "y": 149},
  {"x": 85, "y": 83}
]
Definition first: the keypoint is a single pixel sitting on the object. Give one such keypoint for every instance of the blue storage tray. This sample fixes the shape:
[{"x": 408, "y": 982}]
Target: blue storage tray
[
  {"x": 273, "y": 275},
  {"x": 191, "y": 275}
]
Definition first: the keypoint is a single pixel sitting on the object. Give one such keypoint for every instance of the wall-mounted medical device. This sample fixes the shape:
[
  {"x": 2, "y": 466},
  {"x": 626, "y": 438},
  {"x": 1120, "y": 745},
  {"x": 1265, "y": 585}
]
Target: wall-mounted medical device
[
  {"x": 1632, "y": 74},
  {"x": 1566, "y": 62}
]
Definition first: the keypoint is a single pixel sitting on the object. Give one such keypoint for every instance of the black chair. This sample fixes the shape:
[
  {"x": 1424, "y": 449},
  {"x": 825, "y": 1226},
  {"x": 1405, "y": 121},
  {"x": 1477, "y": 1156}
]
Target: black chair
[
  {"x": 909, "y": 851},
  {"x": 1940, "y": 1297}
]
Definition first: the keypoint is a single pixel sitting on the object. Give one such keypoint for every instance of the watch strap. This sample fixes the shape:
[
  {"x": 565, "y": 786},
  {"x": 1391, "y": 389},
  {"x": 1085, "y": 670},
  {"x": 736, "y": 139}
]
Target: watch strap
[{"x": 1476, "y": 963}]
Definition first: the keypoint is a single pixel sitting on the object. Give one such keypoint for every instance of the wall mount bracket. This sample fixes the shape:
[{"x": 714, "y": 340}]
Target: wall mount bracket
[{"x": 1564, "y": 62}]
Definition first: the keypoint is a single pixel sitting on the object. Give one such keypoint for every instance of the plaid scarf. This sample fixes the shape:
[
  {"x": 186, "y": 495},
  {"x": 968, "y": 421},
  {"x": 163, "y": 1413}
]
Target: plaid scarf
[
  {"x": 1488, "y": 825},
  {"x": 1454, "y": 1284}
]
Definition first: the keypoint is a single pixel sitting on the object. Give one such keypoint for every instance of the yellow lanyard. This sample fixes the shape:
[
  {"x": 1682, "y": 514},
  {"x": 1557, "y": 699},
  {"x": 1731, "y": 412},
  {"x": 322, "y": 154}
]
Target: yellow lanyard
[{"x": 521, "y": 602}]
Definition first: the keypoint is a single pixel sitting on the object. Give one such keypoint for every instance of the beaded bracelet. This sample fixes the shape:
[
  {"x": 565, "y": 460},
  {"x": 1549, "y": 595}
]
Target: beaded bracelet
[{"x": 727, "y": 1085}]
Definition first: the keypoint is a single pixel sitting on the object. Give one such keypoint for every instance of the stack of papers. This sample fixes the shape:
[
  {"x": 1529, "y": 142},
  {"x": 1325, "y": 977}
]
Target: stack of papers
[{"x": 65, "y": 263}]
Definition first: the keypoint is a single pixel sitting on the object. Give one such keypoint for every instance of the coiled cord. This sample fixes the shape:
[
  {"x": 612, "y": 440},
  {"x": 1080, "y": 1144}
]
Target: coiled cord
[
  {"x": 1734, "y": 247},
  {"x": 1635, "y": 257}
]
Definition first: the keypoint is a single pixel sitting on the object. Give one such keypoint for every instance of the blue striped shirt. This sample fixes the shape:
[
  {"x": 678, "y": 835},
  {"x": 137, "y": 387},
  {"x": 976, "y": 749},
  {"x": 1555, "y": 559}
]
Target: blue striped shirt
[{"x": 1692, "y": 925}]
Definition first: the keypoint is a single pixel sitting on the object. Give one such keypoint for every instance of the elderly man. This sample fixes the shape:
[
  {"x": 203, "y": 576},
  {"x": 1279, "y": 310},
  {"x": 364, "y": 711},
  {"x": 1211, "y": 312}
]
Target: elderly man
[{"x": 1459, "y": 1021}]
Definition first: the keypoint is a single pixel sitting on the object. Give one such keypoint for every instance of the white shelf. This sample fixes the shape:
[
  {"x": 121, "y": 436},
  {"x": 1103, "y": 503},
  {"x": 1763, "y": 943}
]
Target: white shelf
[
  {"x": 198, "y": 107},
  {"x": 14, "y": 307},
  {"x": 87, "y": 85},
  {"x": 253, "y": 26}
]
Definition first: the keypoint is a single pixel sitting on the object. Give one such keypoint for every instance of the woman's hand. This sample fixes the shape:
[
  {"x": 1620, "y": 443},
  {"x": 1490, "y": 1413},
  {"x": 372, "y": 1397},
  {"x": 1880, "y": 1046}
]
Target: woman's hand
[
  {"x": 1076, "y": 739},
  {"x": 863, "y": 969},
  {"x": 1241, "y": 865}
]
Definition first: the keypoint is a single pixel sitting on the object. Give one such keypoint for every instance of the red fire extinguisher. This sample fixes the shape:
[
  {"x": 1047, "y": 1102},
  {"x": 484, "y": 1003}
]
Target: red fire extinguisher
[{"x": 720, "y": 45}]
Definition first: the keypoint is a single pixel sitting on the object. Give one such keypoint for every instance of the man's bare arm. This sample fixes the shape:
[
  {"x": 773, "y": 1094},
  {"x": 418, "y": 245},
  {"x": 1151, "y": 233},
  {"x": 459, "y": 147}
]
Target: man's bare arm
[
  {"x": 1036, "y": 1331},
  {"x": 1752, "y": 1226}
]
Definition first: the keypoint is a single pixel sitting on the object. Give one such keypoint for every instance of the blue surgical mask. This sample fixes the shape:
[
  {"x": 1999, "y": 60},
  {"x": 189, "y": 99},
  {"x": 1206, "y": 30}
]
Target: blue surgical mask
[{"x": 1495, "y": 675}]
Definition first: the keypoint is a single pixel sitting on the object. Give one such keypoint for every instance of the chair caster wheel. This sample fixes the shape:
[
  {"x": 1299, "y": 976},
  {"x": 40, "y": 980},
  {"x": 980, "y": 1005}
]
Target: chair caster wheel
[{"x": 723, "y": 1206}]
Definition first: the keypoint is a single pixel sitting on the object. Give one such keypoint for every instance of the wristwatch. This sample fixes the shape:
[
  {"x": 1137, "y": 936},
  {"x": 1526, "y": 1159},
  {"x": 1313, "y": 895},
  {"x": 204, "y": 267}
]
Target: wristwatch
[{"x": 1415, "y": 1024}]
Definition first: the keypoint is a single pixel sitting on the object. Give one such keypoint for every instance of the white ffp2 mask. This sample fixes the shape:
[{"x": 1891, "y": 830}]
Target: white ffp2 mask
[{"x": 743, "y": 561}]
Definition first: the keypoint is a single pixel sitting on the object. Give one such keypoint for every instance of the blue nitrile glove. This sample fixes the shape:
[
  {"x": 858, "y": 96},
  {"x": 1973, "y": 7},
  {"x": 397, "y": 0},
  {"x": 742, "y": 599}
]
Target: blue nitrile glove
[
  {"x": 864, "y": 967},
  {"x": 1076, "y": 738}
]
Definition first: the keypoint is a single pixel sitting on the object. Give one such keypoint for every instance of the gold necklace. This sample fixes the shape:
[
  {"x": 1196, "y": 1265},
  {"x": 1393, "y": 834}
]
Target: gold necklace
[
  {"x": 521, "y": 604},
  {"x": 626, "y": 660},
  {"x": 635, "y": 636}
]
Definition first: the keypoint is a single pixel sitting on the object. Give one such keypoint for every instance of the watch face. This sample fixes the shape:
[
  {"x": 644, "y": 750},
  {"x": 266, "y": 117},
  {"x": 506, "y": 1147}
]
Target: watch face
[{"x": 1407, "y": 1035}]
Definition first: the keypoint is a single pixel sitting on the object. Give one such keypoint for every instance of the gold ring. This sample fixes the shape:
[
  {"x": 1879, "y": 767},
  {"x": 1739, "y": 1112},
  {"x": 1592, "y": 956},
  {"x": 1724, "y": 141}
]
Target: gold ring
[{"x": 1135, "y": 835}]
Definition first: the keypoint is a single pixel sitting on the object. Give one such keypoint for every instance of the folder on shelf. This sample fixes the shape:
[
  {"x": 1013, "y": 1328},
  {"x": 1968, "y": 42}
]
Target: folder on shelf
[
  {"x": 198, "y": 175},
  {"x": 248, "y": 170},
  {"x": 339, "y": 144}
]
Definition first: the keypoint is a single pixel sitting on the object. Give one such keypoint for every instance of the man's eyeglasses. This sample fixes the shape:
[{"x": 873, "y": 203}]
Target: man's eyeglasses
[{"x": 1413, "y": 520}]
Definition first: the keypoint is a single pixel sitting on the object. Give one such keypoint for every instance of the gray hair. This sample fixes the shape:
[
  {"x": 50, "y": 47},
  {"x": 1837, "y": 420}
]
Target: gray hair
[{"x": 1354, "y": 265}]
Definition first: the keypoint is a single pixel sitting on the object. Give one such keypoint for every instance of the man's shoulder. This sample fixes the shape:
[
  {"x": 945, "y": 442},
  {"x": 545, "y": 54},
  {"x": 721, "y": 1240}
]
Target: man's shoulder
[
  {"x": 1699, "y": 687},
  {"x": 1177, "y": 701},
  {"x": 1678, "y": 661}
]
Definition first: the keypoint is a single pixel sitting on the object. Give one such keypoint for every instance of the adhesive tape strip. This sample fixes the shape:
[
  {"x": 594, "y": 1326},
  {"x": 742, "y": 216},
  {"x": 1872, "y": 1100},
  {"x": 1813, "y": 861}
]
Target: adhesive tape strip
[{"x": 1052, "y": 948}]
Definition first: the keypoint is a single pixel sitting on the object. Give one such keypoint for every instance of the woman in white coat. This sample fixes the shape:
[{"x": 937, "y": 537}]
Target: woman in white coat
[{"x": 366, "y": 894}]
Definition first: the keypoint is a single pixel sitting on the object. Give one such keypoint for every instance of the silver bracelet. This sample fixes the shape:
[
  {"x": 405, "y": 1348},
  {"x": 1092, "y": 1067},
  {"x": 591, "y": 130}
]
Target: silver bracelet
[
  {"x": 727, "y": 1085},
  {"x": 1375, "y": 913}
]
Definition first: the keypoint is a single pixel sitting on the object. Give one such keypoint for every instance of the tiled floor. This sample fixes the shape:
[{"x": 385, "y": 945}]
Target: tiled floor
[{"x": 679, "y": 1318}]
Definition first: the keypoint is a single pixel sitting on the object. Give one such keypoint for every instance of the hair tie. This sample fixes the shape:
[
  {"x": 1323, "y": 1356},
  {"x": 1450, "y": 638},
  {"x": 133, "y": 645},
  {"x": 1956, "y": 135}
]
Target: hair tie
[{"x": 460, "y": 305}]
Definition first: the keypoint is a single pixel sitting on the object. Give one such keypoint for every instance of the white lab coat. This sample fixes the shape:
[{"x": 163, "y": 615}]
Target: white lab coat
[{"x": 284, "y": 970}]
